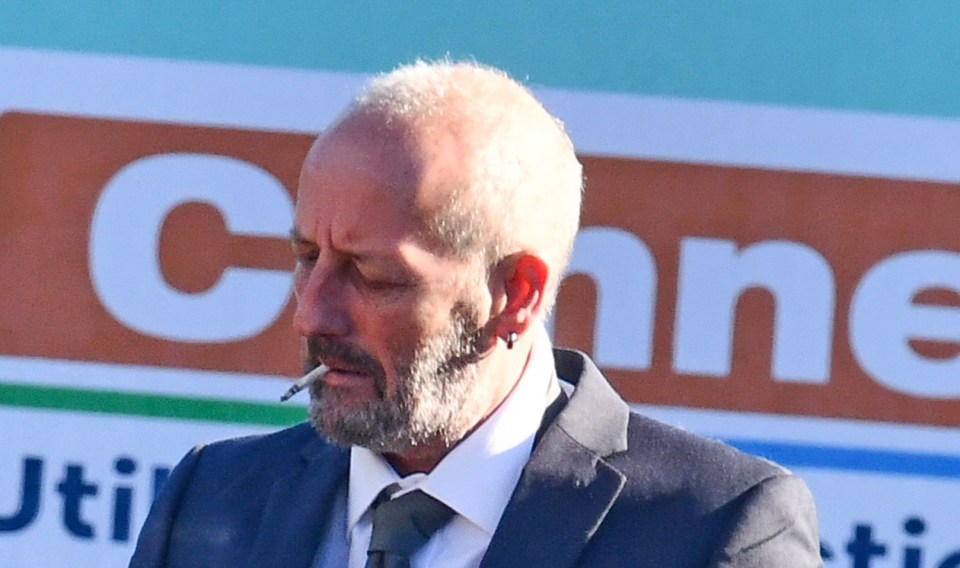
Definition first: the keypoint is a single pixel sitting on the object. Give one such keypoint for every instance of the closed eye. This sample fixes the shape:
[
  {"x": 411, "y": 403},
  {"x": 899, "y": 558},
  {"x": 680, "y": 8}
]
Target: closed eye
[
  {"x": 305, "y": 251},
  {"x": 376, "y": 282}
]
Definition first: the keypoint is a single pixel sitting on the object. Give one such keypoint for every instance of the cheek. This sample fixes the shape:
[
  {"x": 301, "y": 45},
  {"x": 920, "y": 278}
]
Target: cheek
[
  {"x": 390, "y": 330},
  {"x": 398, "y": 333}
]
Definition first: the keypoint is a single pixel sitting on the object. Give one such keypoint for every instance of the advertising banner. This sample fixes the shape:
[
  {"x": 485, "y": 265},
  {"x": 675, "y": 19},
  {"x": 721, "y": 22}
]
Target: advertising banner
[{"x": 786, "y": 280}]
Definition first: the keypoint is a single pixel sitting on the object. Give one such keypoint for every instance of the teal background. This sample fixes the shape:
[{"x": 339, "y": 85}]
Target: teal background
[{"x": 878, "y": 56}]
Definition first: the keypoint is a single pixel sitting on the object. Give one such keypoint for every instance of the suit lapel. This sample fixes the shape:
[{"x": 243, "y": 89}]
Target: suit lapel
[
  {"x": 567, "y": 488},
  {"x": 296, "y": 512}
]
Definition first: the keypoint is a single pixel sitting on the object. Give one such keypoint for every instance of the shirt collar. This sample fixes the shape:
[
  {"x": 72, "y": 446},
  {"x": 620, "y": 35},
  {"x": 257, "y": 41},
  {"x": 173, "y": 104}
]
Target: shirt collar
[{"x": 502, "y": 444}]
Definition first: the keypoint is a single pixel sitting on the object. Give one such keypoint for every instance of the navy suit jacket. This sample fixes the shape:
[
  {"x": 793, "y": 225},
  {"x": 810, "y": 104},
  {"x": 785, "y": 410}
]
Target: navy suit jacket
[{"x": 603, "y": 487}]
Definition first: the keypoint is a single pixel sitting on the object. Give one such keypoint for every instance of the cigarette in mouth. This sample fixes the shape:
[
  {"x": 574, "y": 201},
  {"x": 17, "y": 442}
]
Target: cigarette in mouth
[{"x": 305, "y": 381}]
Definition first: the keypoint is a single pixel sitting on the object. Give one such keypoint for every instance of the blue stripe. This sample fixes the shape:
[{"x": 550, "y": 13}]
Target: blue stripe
[{"x": 854, "y": 459}]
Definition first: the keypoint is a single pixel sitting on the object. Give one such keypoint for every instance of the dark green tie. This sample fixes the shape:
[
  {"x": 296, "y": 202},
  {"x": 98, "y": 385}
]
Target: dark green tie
[{"x": 402, "y": 526}]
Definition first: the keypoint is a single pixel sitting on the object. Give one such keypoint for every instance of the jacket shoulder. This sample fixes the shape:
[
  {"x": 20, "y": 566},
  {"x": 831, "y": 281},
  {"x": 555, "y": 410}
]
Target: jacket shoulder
[
  {"x": 246, "y": 451},
  {"x": 685, "y": 495},
  {"x": 212, "y": 504},
  {"x": 667, "y": 458},
  {"x": 241, "y": 471}
]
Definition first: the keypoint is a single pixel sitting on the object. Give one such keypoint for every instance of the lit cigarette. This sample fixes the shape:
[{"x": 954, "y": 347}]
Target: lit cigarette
[{"x": 304, "y": 382}]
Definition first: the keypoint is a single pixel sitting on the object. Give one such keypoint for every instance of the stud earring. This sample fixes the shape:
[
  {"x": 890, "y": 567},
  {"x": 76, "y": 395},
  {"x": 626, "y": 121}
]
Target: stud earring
[{"x": 511, "y": 339}]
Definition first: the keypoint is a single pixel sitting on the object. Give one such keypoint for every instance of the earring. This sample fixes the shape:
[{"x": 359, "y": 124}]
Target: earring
[{"x": 511, "y": 339}]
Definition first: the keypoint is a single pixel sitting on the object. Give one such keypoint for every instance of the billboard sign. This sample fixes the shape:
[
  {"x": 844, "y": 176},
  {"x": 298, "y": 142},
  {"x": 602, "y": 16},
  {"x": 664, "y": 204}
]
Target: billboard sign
[{"x": 785, "y": 279}]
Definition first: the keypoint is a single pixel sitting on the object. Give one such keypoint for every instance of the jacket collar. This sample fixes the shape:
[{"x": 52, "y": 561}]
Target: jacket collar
[{"x": 567, "y": 487}]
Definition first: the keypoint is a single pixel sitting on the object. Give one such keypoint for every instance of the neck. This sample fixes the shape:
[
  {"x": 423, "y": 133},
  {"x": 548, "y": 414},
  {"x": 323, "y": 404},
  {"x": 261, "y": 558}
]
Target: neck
[{"x": 421, "y": 459}]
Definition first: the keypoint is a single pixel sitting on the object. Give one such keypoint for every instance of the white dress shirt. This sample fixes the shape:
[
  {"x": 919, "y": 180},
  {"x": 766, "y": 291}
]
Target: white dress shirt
[{"x": 476, "y": 479}]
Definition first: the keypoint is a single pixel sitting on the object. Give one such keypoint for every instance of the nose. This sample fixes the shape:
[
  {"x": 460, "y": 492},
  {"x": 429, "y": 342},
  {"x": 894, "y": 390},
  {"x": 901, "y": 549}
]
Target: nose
[{"x": 321, "y": 308}]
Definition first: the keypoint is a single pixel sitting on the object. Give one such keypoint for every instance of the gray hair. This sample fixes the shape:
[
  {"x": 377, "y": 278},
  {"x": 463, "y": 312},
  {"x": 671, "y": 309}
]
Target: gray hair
[{"x": 523, "y": 185}]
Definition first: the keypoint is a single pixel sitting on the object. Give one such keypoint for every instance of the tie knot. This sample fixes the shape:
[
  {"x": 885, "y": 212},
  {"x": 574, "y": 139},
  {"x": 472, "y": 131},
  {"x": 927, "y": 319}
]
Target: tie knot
[{"x": 401, "y": 526}]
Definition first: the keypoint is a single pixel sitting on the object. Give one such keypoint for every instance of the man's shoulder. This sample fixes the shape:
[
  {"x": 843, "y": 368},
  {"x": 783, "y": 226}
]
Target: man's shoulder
[
  {"x": 290, "y": 439},
  {"x": 686, "y": 499},
  {"x": 236, "y": 475},
  {"x": 668, "y": 460},
  {"x": 250, "y": 457},
  {"x": 214, "y": 502},
  {"x": 652, "y": 451}
]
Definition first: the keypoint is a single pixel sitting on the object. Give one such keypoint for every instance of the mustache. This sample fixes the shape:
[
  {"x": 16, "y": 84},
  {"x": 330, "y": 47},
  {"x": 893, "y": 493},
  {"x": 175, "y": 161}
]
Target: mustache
[{"x": 339, "y": 354}]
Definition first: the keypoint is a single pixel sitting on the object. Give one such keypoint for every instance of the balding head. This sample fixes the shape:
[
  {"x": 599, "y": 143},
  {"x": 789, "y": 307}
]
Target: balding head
[
  {"x": 433, "y": 223},
  {"x": 505, "y": 173}
]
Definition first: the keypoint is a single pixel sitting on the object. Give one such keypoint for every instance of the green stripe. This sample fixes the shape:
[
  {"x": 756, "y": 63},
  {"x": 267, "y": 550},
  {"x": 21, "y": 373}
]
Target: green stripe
[{"x": 156, "y": 406}]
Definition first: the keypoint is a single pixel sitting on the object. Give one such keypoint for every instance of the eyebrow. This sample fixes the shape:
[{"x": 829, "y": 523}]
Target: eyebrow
[
  {"x": 300, "y": 244},
  {"x": 297, "y": 239}
]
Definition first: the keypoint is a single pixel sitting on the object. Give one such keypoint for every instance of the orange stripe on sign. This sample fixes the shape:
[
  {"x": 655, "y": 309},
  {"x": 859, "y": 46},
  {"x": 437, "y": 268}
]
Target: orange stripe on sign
[
  {"x": 772, "y": 291},
  {"x": 53, "y": 170},
  {"x": 693, "y": 285}
]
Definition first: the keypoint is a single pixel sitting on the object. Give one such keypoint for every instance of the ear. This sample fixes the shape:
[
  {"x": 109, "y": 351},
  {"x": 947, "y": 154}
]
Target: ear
[{"x": 524, "y": 282}]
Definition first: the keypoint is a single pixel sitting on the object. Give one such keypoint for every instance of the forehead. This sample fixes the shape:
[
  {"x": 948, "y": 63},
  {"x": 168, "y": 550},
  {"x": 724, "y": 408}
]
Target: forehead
[
  {"x": 358, "y": 190},
  {"x": 365, "y": 176}
]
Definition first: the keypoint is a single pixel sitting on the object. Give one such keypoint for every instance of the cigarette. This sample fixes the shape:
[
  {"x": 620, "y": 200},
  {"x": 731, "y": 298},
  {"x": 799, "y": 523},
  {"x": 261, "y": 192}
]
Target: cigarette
[{"x": 305, "y": 381}]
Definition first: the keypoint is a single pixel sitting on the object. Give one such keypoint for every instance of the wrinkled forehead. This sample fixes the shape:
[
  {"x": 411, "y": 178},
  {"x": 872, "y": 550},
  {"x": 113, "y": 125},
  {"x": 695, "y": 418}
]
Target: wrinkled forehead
[
  {"x": 421, "y": 164},
  {"x": 370, "y": 185}
]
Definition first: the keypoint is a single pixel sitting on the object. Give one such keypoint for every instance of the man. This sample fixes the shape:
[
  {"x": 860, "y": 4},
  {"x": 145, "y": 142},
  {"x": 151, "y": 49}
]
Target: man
[{"x": 434, "y": 221}]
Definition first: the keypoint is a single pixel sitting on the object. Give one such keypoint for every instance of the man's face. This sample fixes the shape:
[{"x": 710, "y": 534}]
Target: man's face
[{"x": 399, "y": 325}]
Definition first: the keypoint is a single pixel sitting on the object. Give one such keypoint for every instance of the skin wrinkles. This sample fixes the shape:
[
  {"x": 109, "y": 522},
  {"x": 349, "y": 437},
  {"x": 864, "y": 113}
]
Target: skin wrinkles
[
  {"x": 396, "y": 322},
  {"x": 412, "y": 268}
]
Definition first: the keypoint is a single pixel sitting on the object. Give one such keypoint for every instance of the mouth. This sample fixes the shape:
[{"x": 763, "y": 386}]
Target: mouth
[
  {"x": 337, "y": 366},
  {"x": 350, "y": 368},
  {"x": 312, "y": 376},
  {"x": 345, "y": 376}
]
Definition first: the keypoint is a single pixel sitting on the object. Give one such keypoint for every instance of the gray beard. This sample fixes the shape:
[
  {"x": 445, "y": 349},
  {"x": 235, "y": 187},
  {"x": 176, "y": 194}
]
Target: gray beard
[{"x": 431, "y": 401}]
